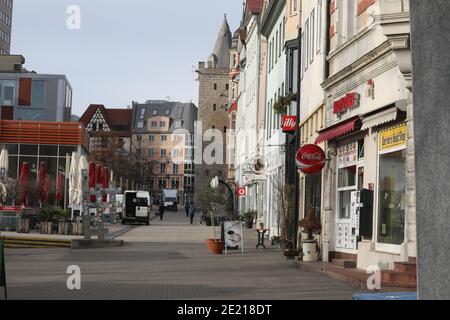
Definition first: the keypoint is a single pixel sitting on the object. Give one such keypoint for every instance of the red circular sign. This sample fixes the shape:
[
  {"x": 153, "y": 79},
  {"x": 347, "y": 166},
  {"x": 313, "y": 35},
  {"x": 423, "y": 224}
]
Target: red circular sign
[
  {"x": 242, "y": 192},
  {"x": 310, "y": 159}
]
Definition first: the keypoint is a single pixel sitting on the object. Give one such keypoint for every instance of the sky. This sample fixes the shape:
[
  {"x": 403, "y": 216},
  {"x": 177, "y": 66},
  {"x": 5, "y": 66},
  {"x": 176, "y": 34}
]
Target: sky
[{"x": 124, "y": 51}]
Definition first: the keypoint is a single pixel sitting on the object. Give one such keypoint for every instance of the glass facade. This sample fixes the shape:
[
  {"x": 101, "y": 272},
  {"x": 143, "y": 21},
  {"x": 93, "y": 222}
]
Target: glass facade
[{"x": 392, "y": 198}]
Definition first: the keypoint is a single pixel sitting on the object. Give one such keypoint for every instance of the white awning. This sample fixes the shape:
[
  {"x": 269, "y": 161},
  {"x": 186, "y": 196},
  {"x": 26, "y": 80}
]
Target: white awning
[{"x": 378, "y": 119}]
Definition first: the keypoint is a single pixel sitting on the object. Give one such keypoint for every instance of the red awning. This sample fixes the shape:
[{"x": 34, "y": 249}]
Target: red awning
[{"x": 336, "y": 132}]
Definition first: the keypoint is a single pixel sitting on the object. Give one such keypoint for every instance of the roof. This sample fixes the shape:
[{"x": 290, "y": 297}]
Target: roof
[
  {"x": 220, "y": 56},
  {"x": 114, "y": 117}
]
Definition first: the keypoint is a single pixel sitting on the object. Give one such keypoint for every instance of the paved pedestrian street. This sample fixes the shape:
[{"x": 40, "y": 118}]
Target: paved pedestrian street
[{"x": 167, "y": 260}]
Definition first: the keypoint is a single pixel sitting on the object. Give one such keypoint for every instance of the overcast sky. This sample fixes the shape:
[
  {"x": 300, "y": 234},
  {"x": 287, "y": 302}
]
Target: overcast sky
[{"x": 125, "y": 51}]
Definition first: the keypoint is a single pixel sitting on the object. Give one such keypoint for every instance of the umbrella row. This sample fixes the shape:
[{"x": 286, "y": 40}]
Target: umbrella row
[{"x": 98, "y": 175}]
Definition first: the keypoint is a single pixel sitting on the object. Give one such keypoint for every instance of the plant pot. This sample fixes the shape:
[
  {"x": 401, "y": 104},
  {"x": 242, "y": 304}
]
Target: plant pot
[
  {"x": 215, "y": 246},
  {"x": 77, "y": 229},
  {"x": 23, "y": 226},
  {"x": 309, "y": 251},
  {"x": 64, "y": 228},
  {"x": 46, "y": 227},
  {"x": 249, "y": 224}
]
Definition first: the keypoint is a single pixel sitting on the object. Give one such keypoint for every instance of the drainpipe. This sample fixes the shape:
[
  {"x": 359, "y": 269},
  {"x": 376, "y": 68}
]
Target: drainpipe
[{"x": 297, "y": 140}]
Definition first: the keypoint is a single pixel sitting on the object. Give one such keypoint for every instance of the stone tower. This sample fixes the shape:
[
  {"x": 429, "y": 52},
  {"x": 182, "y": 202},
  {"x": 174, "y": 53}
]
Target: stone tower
[{"x": 212, "y": 103}]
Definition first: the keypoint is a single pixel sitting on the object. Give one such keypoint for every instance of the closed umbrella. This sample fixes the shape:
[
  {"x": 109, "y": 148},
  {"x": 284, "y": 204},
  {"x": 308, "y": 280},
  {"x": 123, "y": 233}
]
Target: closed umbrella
[
  {"x": 4, "y": 164},
  {"x": 105, "y": 181},
  {"x": 92, "y": 178},
  {"x": 24, "y": 183},
  {"x": 73, "y": 179},
  {"x": 83, "y": 165},
  {"x": 98, "y": 175},
  {"x": 43, "y": 183},
  {"x": 59, "y": 187}
]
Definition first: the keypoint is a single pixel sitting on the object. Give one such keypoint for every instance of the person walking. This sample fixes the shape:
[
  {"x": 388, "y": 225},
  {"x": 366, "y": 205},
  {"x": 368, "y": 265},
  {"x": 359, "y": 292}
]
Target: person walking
[
  {"x": 191, "y": 213},
  {"x": 187, "y": 207},
  {"x": 161, "y": 211}
]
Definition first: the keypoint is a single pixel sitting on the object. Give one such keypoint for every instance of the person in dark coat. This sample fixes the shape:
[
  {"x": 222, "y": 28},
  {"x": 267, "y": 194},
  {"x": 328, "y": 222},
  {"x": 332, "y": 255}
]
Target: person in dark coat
[
  {"x": 191, "y": 213},
  {"x": 161, "y": 211},
  {"x": 187, "y": 207}
]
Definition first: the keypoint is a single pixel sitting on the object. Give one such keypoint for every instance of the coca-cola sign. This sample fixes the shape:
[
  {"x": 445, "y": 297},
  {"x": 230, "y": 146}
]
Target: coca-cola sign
[
  {"x": 310, "y": 159},
  {"x": 289, "y": 123}
]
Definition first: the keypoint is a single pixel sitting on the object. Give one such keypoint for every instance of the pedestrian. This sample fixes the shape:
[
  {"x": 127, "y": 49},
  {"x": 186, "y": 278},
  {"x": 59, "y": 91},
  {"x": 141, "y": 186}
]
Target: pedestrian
[
  {"x": 187, "y": 207},
  {"x": 161, "y": 211},
  {"x": 191, "y": 213}
]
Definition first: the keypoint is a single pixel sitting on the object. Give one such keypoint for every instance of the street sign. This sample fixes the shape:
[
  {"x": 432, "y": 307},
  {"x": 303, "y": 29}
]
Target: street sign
[
  {"x": 2, "y": 269},
  {"x": 241, "y": 192}
]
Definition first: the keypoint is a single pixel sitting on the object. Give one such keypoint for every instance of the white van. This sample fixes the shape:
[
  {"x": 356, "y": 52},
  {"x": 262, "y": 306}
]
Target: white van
[{"x": 136, "y": 207}]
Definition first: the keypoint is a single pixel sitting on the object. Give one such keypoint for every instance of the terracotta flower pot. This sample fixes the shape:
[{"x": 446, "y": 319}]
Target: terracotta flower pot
[{"x": 215, "y": 246}]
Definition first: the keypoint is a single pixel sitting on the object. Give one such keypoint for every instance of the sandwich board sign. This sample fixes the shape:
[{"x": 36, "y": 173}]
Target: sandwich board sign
[{"x": 2, "y": 269}]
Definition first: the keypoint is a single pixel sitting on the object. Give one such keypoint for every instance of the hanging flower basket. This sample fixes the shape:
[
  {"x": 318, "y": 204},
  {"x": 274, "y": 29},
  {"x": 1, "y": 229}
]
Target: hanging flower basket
[{"x": 282, "y": 104}]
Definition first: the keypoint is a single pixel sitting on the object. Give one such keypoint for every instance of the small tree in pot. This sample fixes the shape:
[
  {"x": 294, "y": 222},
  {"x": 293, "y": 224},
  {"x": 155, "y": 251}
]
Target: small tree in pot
[
  {"x": 310, "y": 225},
  {"x": 249, "y": 218}
]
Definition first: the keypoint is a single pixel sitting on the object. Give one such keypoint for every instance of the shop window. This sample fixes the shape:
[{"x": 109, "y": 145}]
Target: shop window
[
  {"x": 361, "y": 149},
  {"x": 391, "y": 202},
  {"x": 29, "y": 150},
  {"x": 48, "y": 150},
  {"x": 63, "y": 150},
  {"x": 347, "y": 177},
  {"x": 313, "y": 191}
]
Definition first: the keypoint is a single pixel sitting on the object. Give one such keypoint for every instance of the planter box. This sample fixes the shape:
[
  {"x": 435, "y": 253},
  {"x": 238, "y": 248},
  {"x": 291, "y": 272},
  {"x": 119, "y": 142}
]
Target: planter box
[
  {"x": 64, "y": 228},
  {"x": 215, "y": 246},
  {"x": 77, "y": 229},
  {"x": 23, "y": 226},
  {"x": 46, "y": 227}
]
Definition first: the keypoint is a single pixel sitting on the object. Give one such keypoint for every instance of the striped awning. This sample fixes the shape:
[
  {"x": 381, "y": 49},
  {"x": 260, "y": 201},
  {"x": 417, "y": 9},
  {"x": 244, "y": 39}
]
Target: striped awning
[
  {"x": 381, "y": 118},
  {"x": 337, "y": 131}
]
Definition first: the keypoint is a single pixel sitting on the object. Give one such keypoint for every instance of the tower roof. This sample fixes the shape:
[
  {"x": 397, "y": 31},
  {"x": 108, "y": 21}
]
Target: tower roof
[{"x": 220, "y": 57}]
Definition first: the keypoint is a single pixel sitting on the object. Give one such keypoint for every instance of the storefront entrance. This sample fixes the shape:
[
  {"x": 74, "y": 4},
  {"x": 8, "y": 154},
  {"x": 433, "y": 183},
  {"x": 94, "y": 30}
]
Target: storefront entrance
[{"x": 349, "y": 180}]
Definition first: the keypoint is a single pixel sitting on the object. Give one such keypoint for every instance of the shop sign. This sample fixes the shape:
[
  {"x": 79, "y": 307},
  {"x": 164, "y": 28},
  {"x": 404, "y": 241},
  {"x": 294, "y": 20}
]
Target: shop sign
[
  {"x": 241, "y": 192},
  {"x": 350, "y": 101},
  {"x": 347, "y": 154},
  {"x": 11, "y": 208},
  {"x": 289, "y": 123},
  {"x": 393, "y": 138},
  {"x": 310, "y": 159}
]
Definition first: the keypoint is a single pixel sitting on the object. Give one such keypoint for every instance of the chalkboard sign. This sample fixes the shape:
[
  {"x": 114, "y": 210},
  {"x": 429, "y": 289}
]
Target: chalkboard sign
[{"x": 2, "y": 269}]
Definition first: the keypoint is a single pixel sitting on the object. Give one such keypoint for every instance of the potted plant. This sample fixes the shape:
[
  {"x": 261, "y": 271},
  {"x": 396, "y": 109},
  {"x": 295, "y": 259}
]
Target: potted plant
[
  {"x": 212, "y": 202},
  {"x": 310, "y": 225},
  {"x": 282, "y": 104},
  {"x": 249, "y": 217}
]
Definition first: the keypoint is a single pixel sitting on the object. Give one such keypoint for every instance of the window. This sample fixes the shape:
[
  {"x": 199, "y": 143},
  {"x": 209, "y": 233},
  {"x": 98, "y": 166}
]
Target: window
[
  {"x": 306, "y": 47},
  {"x": 167, "y": 112},
  {"x": 303, "y": 55},
  {"x": 164, "y": 137},
  {"x": 7, "y": 92},
  {"x": 155, "y": 112},
  {"x": 177, "y": 124},
  {"x": 313, "y": 36},
  {"x": 227, "y": 87},
  {"x": 214, "y": 107},
  {"x": 175, "y": 168},
  {"x": 277, "y": 45},
  {"x": 142, "y": 115},
  {"x": 280, "y": 44},
  {"x": 270, "y": 57},
  {"x": 151, "y": 153},
  {"x": 37, "y": 93},
  {"x": 162, "y": 124},
  {"x": 392, "y": 200},
  {"x": 151, "y": 137},
  {"x": 346, "y": 184},
  {"x": 163, "y": 153},
  {"x": 319, "y": 26},
  {"x": 163, "y": 168},
  {"x": 140, "y": 125},
  {"x": 215, "y": 86},
  {"x": 293, "y": 7},
  {"x": 176, "y": 153},
  {"x": 154, "y": 124}
]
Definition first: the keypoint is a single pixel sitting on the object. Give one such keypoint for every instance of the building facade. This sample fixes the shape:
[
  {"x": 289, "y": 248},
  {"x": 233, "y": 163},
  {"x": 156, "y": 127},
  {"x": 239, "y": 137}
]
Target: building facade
[
  {"x": 369, "y": 194},
  {"x": 6, "y": 11},
  {"x": 162, "y": 148},
  {"x": 213, "y": 99},
  {"x": 248, "y": 106},
  {"x": 31, "y": 96},
  {"x": 274, "y": 150}
]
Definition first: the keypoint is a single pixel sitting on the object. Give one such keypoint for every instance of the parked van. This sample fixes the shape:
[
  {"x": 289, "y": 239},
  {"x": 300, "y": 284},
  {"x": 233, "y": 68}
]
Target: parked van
[{"x": 136, "y": 207}]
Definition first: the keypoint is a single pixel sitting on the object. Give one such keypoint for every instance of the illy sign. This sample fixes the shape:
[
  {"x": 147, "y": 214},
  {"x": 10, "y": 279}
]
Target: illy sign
[
  {"x": 289, "y": 123},
  {"x": 310, "y": 159}
]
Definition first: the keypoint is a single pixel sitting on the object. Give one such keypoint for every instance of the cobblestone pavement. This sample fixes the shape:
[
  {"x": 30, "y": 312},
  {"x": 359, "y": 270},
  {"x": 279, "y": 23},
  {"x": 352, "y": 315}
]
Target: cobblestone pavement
[{"x": 167, "y": 260}]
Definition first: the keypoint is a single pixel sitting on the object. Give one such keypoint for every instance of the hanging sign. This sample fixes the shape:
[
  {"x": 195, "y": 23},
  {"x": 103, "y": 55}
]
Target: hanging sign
[
  {"x": 241, "y": 192},
  {"x": 310, "y": 159},
  {"x": 289, "y": 123}
]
